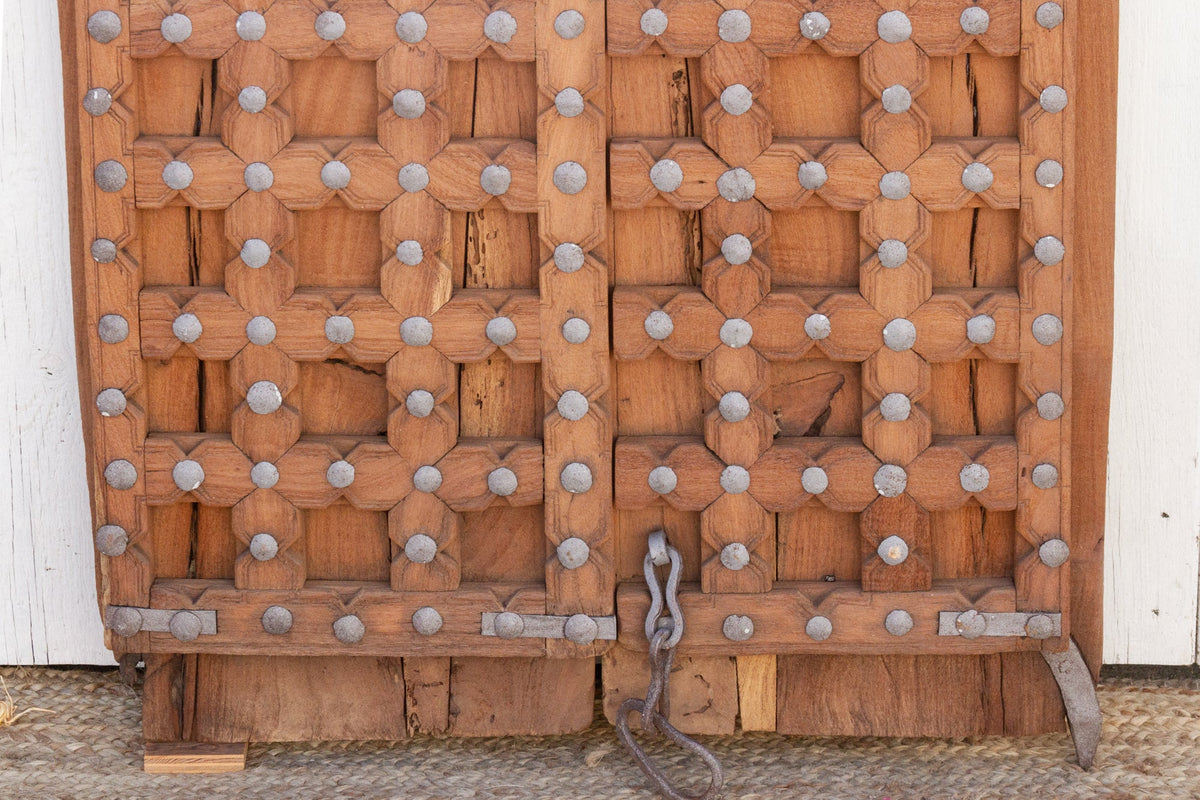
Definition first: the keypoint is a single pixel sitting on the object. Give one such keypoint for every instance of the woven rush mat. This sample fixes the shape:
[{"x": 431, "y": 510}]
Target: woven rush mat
[{"x": 91, "y": 748}]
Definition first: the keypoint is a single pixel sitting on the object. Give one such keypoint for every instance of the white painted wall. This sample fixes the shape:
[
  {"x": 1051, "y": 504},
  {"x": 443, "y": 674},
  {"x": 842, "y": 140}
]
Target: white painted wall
[{"x": 47, "y": 596}]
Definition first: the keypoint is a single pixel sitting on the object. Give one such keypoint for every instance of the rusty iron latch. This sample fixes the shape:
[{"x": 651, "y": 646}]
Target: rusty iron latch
[{"x": 578, "y": 628}]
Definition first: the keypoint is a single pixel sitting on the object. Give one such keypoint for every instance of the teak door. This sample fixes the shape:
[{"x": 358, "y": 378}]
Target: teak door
[{"x": 408, "y": 322}]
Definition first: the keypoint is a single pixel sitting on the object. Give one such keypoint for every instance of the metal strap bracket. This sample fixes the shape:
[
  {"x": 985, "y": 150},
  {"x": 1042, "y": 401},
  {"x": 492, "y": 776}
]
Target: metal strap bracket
[
  {"x": 970, "y": 624},
  {"x": 184, "y": 624},
  {"x": 579, "y": 628}
]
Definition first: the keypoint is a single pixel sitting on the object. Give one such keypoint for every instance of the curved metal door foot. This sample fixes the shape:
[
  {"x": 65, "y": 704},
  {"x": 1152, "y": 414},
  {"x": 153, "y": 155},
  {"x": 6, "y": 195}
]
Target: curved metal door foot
[{"x": 1079, "y": 696}]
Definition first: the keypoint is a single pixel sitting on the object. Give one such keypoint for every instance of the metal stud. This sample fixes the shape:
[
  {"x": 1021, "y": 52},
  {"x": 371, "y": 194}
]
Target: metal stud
[
  {"x": 185, "y": 626},
  {"x": 572, "y": 405},
  {"x": 111, "y": 176},
  {"x": 255, "y": 253},
  {"x": 1049, "y": 15},
  {"x": 260, "y": 330},
  {"x": 814, "y": 480},
  {"x": 981, "y": 329},
  {"x": 814, "y": 25},
  {"x": 736, "y": 99},
  {"x": 104, "y": 250},
  {"x": 817, "y": 327},
  {"x": 569, "y": 24},
  {"x": 500, "y": 27},
  {"x": 410, "y": 253},
  {"x": 569, "y": 102},
  {"x": 892, "y": 253},
  {"x": 97, "y": 101},
  {"x": 737, "y": 184},
  {"x": 736, "y": 333},
  {"x": 413, "y": 177},
  {"x": 330, "y": 25},
  {"x": 111, "y": 540},
  {"x": 187, "y": 327},
  {"x": 895, "y": 407},
  {"x": 666, "y": 175},
  {"x": 263, "y": 547},
  {"x": 111, "y": 403},
  {"x": 277, "y": 620},
  {"x": 495, "y": 179},
  {"x": 104, "y": 26},
  {"x": 112, "y": 329},
  {"x": 502, "y": 481},
  {"x": 1039, "y": 626},
  {"x": 500, "y": 331},
  {"x": 1047, "y": 329},
  {"x": 125, "y": 621},
  {"x": 419, "y": 403},
  {"x": 977, "y": 177},
  {"x": 187, "y": 475},
  {"x": 737, "y": 628},
  {"x": 411, "y": 27},
  {"x": 895, "y": 185},
  {"x": 899, "y": 335},
  {"x": 570, "y": 177},
  {"x": 349, "y": 629},
  {"x": 734, "y": 407},
  {"x": 251, "y": 26},
  {"x": 892, "y": 551},
  {"x": 1049, "y": 173},
  {"x": 1045, "y": 476},
  {"x": 970, "y": 624},
  {"x": 898, "y": 622},
  {"x": 576, "y": 478},
  {"x": 339, "y": 329},
  {"x": 891, "y": 480},
  {"x": 175, "y": 28},
  {"x": 177, "y": 175},
  {"x": 581, "y": 629},
  {"x": 1054, "y": 552},
  {"x": 653, "y": 22},
  {"x": 258, "y": 177},
  {"x": 340, "y": 474},
  {"x": 576, "y": 330},
  {"x": 568, "y": 257},
  {"x": 735, "y": 556},
  {"x": 408, "y": 104},
  {"x": 894, "y": 27},
  {"x": 252, "y": 99},
  {"x": 819, "y": 628},
  {"x": 573, "y": 553},
  {"x": 416, "y": 331},
  {"x": 974, "y": 20},
  {"x": 264, "y": 397},
  {"x": 427, "y": 479},
  {"x": 1053, "y": 99},
  {"x": 734, "y": 26},
  {"x": 896, "y": 99},
  {"x": 812, "y": 175},
  {"x": 736, "y": 249},
  {"x": 264, "y": 475},
  {"x": 508, "y": 625},
  {"x": 658, "y": 325},
  {"x": 1049, "y": 250},
  {"x": 662, "y": 480},
  {"x": 1050, "y": 406},
  {"x": 335, "y": 175},
  {"x": 426, "y": 621},
  {"x": 974, "y": 478},
  {"x": 420, "y": 548},
  {"x": 735, "y": 479}
]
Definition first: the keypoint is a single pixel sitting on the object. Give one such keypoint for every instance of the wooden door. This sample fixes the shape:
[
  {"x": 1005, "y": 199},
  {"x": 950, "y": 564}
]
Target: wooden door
[{"x": 370, "y": 463}]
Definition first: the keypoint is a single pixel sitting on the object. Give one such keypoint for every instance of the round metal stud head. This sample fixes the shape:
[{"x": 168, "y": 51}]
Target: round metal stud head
[
  {"x": 1053, "y": 99},
  {"x": 812, "y": 175},
  {"x": 187, "y": 328},
  {"x": 97, "y": 101},
  {"x": 569, "y": 24},
  {"x": 572, "y": 405},
  {"x": 264, "y": 397},
  {"x": 653, "y": 22},
  {"x": 408, "y": 104},
  {"x": 1049, "y": 250},
  {"x": 892, "y": 253},
  {"x": 892, "y": 551},
  {"x": 260, "y": 330},
  {"x": 495, "y": 179},
  {"x": 666, "y": 175},
  {"x": 576, "y": 330},
  {"x": 1050, "y": 406},
  {"x": 1045, "y": 476},
  {"x": 330, "y": 25},
  {"x": 175, "y": 28},
  {"x": 1047, "y": 329},
  {"x": 981, "y": 329},
  {"x": 339, "y": 329},
  {"x": 125, "y": 621},
  {"x": 187, "y": 475},
  {"x": 819, "y": 628},
  {"x": 736, "y": 249},
  {"x": 895, "y": 407},
  {"x": 111, "y": 176},
  {"x": 340, "y": 474},
  {"x": 1054, "y": 552},
  {"x": 736, "y": 333},
  {"x": 413, "y": 177},
  {"x": 814, "y": 25},
  {"x": 569, "y": 102},
  {"x": 104, "y": 26},
  {"x": 258, "y": 177},
  {"x": 658, "y": 325},
  {"x": 427, "y": 479},
  {"x": 120, "y": 474},
  {"x": 111, "y": 403},
  {"x": 814, "y": 480},
  {"x": 502, "y": 481},
  {"x": 111, "y": 540},
  {"x": 737, "y": 184},
  {"x": 185, "y": 626},
  {"x": 974, "y": 477},
  {"x": 573, "y": 553},
  {"x": 1039, "y": 626},
  {"x": 349, "y": 629},
  {"x": 411, "y": 27},
  {"x": 817, "y": 327},
  {"x": 974, "y": 20},
  {"x": 420, "y": 403},
  {"x": 736, "y": 99},
  {"x": 420, "y": 548},
  {"x": 737, "y": 628},
  {"x": 252, "y": 99},
  {"x": 570, "y": 177},
  {"x": 335, "y": 175},
  {"x": 1049, "y": 15},
  {"x": 895, "y": 186},
  {"x": 735, "y": 479},
  {"x": 891, "y": 480},
  {"x": 426, "y": 621},
  {"x": 500, "y": 27},
  {"x": 410, "y": 253},
  {"x": 734, "y": 26},
  {"x": 277, "y": 620},
  {"x": 177, "y": 175},
  {"x": 898, "y": 622},
  {"x": 576, "y": 478},
  {"x": 896, "y": 99},
  {"x": 264, "y": 475},
  {"x": 894, "y": 27},
  {"x": 977, "y": 177},
  {"x": 735, "y": 556},
  {"x": 1049, "y": 173},
  {"x": 500, "y": 331},
  {"x": 251, "y": 26},
  {"x": 104, "y": 250},
  {"x": 255, "y": 253},
  {"x": 112, "y": 329},
  {"x": 264, "y": 547},
  {"x": 662, "y": 480},
  {"x": 970, "y": 624},
  {"x": 568, "y": 257},
  {"x": 899, "y": 335},
  {"x": 734, "y": 407},
  {"x": 416, "y": 331},
  {"x": 508, "y": 625},
  {"x": 581, "y": 629}
]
